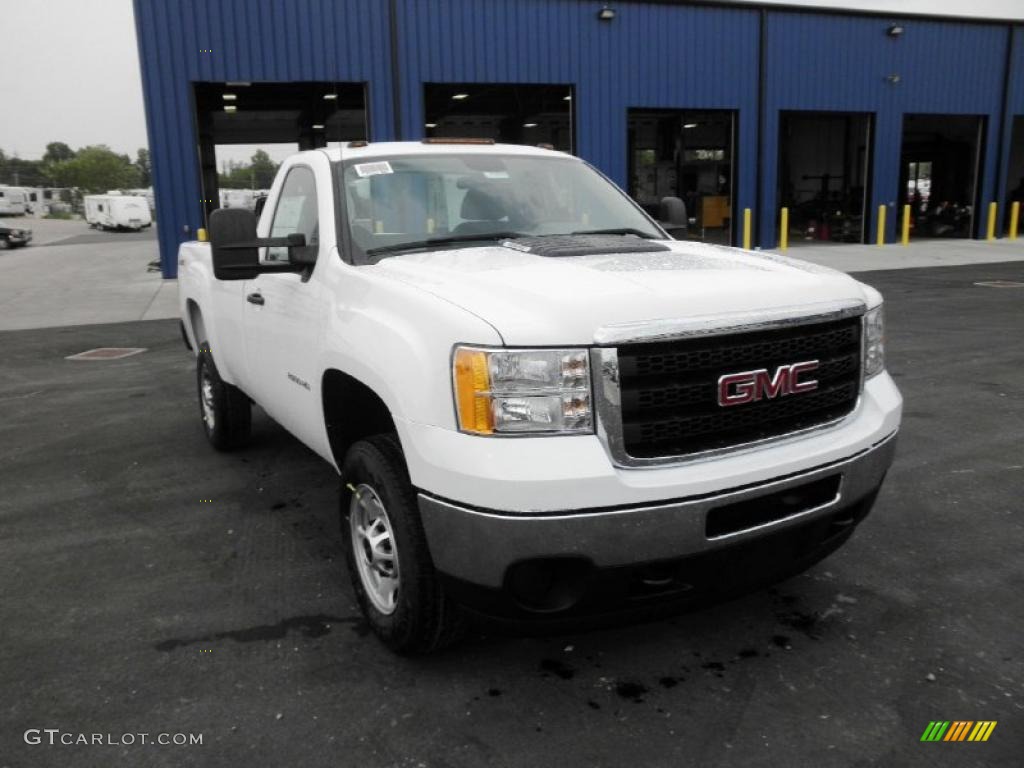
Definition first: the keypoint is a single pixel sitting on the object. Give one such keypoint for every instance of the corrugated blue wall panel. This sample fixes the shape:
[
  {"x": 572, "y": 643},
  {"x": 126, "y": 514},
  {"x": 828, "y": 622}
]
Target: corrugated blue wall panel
[
  {"x": 1016, "y": 88},
  {"x": 651, "y": 55},
  {"x": 841, "y": 63},
  {"x": 1014, "y": 109},
  {"x": 248, "y": 40}
]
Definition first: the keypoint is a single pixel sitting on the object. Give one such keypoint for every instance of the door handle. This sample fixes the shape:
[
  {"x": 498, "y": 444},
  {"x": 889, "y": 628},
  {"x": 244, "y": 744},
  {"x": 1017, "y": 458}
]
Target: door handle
[{"x": 255, "y": 298}]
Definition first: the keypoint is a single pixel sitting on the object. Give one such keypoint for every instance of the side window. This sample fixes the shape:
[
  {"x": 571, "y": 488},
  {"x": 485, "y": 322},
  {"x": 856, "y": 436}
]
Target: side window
[{"x": 296, "y": 211}]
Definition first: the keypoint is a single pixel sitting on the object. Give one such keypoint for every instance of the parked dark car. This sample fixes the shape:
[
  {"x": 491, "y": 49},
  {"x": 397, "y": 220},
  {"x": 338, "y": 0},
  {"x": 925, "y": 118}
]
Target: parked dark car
[{"x": 13, "y": 236}]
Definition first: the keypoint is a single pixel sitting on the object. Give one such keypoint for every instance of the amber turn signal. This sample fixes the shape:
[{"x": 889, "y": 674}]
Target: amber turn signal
[{"x": 472, "y": 391}]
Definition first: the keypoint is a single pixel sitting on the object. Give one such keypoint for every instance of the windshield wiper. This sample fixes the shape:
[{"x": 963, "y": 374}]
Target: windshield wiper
[
  {"x": 430, "y": 242},
  {"x": 619, "y": 231}
]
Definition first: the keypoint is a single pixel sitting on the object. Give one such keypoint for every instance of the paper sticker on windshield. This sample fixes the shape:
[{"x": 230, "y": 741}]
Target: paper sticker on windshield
[
  {"x": 496, "y": 174},
  {"x": 373, "y": 169}
]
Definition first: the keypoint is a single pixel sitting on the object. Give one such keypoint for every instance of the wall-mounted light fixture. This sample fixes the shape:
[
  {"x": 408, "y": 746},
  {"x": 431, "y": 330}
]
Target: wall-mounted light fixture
[
  {"x": 430, "y": 125},
  {"x": 606, "y": 14},
  {"x": 894, "y": 31},
  {"x": 229, "y": 96},
  {"x": 689, "y": 125},
  {"x": 230, "y": 108},
  {"x": 330, "y": 96},
  {"x": 318, "y": 126},
  {"x": 893, "y": 78},
  {"x": 460, "y": 96},
  {"x": 529, "y": 125}
]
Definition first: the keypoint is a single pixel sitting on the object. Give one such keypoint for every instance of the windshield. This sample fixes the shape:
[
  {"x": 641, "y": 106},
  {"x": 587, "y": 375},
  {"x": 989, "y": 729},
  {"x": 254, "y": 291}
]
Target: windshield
[{"x": 399, "y": 204}]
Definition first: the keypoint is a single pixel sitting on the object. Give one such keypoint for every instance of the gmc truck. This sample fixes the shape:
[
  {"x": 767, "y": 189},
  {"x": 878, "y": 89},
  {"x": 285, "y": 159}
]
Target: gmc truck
[{"x": 541, "y": 407}]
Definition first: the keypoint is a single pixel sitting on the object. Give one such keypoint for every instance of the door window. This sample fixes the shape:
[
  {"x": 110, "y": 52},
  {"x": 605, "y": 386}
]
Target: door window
[{"x": 296, "y": 211}]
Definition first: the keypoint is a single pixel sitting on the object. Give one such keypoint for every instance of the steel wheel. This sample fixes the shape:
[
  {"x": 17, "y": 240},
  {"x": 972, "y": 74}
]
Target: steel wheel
[
  {"x": 207, "y": 401},
  {"x": 373, "y": 544}
]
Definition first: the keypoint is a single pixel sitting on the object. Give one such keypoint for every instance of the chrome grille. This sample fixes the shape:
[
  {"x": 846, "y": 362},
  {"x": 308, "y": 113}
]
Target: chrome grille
[{"x": 665, "y": 393}]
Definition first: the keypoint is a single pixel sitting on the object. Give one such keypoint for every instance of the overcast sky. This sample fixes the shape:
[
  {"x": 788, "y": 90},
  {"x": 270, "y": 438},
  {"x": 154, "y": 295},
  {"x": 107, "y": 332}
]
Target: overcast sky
[
  {"x": 70, "y": 73},
  {"x": 70, "y": 69}
]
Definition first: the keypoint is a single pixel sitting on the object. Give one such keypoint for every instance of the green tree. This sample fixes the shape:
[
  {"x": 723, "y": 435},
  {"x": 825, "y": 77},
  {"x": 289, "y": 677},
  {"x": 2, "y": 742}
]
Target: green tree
[
  {"x": 97, "y": 169},
  {"x": 58, "y": 152},
  {"x": 142, "y": 162},
  {"x": 263, "y": 169},
  {"x": 259, "y": 174},
  {"x": 23, "y": 173}
]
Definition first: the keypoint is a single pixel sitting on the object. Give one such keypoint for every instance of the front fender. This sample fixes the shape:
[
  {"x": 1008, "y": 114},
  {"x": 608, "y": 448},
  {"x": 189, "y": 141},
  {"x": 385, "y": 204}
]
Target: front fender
[{"x": 397, "y": 340}]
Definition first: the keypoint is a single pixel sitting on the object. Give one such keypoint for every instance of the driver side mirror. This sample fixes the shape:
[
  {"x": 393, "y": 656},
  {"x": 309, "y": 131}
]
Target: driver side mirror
[{"x": 235, "y": 247}]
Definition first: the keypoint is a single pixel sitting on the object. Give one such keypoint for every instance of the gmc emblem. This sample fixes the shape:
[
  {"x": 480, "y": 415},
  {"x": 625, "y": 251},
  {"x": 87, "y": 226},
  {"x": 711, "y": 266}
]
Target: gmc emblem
[{"x": 750, "y": 386}]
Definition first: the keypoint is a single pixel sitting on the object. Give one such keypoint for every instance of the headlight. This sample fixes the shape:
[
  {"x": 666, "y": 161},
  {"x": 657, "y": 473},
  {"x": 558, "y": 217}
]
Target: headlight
[
  {"x": 522, "y": 391},
  {"x": 874, "y": 342}
]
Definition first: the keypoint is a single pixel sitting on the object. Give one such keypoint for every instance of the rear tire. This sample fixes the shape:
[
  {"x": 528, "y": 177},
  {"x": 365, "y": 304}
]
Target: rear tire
[
  {"x": 388, "y": 560},
  {"x": 225, "y": 411}
]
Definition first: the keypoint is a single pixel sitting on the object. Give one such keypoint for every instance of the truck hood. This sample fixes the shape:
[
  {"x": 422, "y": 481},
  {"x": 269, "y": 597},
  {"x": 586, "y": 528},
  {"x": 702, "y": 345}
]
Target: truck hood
[{"x": 538, "y": 300}]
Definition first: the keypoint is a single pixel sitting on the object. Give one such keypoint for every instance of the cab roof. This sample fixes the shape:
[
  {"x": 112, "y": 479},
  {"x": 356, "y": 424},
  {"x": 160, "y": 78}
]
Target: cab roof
[{"x": 359, "y": 150}]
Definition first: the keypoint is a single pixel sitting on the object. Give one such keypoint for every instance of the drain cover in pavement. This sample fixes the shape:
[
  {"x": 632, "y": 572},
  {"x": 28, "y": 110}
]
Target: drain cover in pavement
[
  {"x": 1000, "y": 284},
  {"x": 106, "y": 353}
]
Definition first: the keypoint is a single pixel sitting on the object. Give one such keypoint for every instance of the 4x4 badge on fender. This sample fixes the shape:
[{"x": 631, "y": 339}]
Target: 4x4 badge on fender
[{"x": 749, "y": 386}]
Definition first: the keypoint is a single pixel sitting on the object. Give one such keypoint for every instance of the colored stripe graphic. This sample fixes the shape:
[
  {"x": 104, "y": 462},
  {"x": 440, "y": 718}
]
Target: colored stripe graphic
[
  {"x": 935, "y": 730},
  {"x": 958, "y": 730},
  {"x": 982, "y": 730}
]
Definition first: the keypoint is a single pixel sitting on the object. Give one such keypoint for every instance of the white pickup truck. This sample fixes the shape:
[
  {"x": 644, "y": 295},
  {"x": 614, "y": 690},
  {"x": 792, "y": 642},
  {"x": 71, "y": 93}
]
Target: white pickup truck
[{"x": 540, "y": 406}]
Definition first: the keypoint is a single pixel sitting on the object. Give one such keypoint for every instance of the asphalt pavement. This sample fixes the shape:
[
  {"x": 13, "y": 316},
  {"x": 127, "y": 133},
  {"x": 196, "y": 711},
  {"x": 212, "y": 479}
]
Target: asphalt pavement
[{"x": 151, "y": 585}]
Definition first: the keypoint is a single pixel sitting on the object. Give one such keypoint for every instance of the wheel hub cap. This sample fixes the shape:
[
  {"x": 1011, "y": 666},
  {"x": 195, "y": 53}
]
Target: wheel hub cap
[
  {"x": 206, "y": 400},
  {"x": 373, "y": 543}
]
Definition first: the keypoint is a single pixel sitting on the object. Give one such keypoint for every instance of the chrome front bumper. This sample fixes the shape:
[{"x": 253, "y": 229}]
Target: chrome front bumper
[{"x": 477, "y": 546}]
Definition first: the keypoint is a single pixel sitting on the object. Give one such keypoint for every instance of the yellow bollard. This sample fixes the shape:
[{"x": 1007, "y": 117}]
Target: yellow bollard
[
  {"x": 993, "y": 210},
  {"x": 784, "y": 229},
  {"x": 905, "y": 234},
  {"x": 746, "y": 228},
  {"x": 201, "y": 235},
  {"x": 1014, "y": 219},
  {"x": 881, "y": 225}
]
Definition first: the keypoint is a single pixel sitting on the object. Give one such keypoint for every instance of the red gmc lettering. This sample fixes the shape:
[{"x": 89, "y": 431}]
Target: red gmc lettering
[
  {"x": 750, "y": 386},
  {"x": 795, "y": 385}
]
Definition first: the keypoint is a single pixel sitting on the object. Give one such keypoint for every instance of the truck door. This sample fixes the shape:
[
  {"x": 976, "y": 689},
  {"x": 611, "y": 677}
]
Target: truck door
[{"x": 284, "y": 318}]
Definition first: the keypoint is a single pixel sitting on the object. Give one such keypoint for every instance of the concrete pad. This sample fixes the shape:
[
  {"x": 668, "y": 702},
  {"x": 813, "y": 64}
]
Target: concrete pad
[
  {"x": 922, "y": 253},
  {"x": 105, "y": 280},
  {"x": 151, "y": 584},
  {"x": 164, "y": 303}
]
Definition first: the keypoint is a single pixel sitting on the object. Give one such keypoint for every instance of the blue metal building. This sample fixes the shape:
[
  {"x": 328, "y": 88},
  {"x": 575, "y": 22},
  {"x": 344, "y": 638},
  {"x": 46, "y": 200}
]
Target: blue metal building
[{"x": 772, "y": 71}]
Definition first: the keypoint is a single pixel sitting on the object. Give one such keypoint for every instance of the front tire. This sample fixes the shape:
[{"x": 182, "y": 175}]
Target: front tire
[
  {"x": 389, "y": 563},
  {"x": 225, "y": 410}
]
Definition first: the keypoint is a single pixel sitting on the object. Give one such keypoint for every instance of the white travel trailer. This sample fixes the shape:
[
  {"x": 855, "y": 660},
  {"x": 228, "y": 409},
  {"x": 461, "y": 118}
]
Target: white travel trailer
[
  {"x": 13, "y": 201},
  {"x": 32, "y": 197},
  {"x": 146, "y": 192},
  {"x": 237, "y": 198},
  {"x": 114, "y": 211},
  {"x": 43, "y": 200}
]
